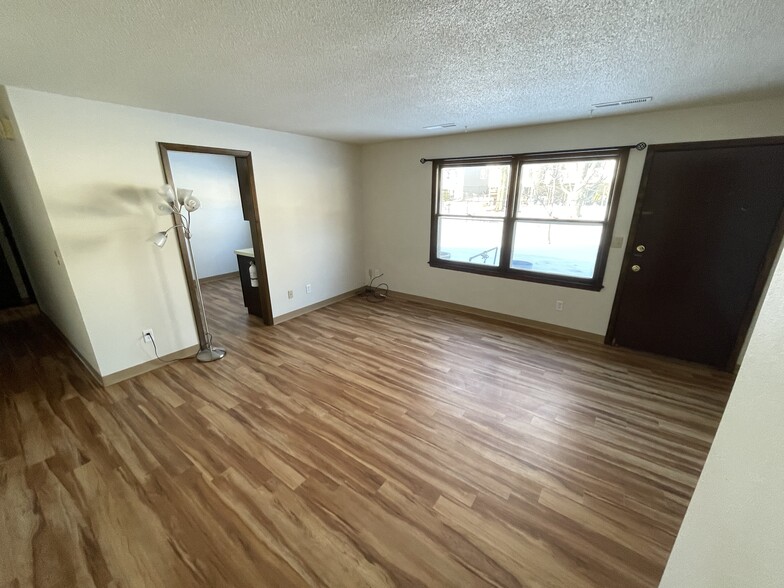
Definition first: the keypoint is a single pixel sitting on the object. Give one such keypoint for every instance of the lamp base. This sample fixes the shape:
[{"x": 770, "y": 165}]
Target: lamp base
[{"x": 210, "y": 354}]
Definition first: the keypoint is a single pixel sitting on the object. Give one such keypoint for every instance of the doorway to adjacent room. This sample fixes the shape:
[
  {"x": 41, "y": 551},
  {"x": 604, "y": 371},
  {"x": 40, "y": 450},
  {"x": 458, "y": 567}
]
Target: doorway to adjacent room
[{"x": 226, "y": 231}]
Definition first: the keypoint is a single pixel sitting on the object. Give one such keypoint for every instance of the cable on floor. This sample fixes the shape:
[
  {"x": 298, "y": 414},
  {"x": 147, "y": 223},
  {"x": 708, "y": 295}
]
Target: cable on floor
[{"x": 377, "y": 292}]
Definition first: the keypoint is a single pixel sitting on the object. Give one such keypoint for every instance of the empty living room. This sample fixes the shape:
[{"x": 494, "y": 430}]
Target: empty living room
[{"x": 468, "y": 293}]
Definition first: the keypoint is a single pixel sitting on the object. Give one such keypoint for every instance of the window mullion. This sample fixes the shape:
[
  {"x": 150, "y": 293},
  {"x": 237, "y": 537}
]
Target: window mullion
[
  {"x": 559, "y": 221},
  {"x": 511, "y": 208},
  {"x": 476, "y": 217}
]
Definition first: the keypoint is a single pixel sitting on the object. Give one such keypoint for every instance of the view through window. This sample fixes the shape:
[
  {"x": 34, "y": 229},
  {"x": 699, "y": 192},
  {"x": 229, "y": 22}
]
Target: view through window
[{"x": 545, "y": 218}]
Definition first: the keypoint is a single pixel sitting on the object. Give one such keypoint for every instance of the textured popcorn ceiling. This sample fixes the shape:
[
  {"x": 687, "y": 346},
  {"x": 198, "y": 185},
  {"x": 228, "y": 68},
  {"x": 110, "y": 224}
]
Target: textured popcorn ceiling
[{"x": 370, "y": 70}]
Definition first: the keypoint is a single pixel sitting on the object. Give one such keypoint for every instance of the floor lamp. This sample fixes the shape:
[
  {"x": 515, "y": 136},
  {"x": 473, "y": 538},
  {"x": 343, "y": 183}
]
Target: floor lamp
[{"x": 182, "y": 205}]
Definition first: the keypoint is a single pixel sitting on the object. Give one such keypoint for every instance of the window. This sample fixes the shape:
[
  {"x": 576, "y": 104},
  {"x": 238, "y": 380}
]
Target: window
[{"x": 543, "y": 218}]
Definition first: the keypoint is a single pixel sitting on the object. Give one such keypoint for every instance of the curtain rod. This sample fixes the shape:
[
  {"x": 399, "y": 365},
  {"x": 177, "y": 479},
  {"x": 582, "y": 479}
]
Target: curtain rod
[{"x": 641, "y": 146}]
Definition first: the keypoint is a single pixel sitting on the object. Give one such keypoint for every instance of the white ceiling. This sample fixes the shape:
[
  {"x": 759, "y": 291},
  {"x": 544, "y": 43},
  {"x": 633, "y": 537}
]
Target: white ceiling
[{"x": 370, "y": 70}]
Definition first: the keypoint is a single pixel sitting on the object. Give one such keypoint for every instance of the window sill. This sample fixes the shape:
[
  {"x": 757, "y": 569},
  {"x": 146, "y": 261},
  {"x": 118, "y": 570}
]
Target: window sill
[{"x": 521, "y": 275}]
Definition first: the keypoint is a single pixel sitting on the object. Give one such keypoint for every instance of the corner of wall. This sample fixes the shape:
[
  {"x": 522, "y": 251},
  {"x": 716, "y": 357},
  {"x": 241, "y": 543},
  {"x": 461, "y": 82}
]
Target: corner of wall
[{"x": 36, "y": 240}]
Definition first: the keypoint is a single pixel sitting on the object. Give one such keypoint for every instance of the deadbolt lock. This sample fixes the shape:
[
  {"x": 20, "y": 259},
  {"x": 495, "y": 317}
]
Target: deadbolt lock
[
  {"x": 636, "y": 268},
  {"x": 640, "y": 248}
]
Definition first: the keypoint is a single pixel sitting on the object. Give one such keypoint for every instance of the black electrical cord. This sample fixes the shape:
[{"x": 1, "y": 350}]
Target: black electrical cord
[
  {"x": 377, "y": 293},
  {"x": 158, "y": 357}
]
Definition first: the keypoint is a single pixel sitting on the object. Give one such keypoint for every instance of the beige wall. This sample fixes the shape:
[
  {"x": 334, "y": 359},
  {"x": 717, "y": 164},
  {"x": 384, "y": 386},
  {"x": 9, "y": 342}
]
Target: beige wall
[
  {"x": 36, "y": 240},
  {"x": 97, "y": 167},
  {"x": 396, "y": 189},
  {"x": 733, "y": 532}
]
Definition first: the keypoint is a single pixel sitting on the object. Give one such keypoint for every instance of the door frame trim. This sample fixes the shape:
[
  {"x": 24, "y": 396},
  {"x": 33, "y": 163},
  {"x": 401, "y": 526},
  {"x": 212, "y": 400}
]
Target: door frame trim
[
  {"x": 764, "y": 271},
  {"x": 250, "y": 208}
]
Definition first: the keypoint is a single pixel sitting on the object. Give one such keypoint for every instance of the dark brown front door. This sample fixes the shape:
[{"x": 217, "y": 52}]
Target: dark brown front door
[{"x": 707, "y": 224}]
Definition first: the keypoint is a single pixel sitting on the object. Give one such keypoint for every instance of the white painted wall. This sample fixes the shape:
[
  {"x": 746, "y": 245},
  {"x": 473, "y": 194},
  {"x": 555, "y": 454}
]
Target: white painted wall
[
  {"x": 397, "y": 190},
  {"x": 36, "y": 240},
  {"x": 733, "y": 532},
  {"x": 218, "y": 227},
  {"x": 97, "y": 167}
]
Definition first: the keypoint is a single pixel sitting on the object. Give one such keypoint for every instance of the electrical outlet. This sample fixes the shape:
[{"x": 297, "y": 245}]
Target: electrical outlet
[
  {"x": 148, "y": 336},
  {"x": 559, "y": 305},
  {"x": 376, "y": 272},
  {"x": 308, "y": 289},
  {"x": 370, "y": 273},
  {"x": 291, "y": 294}
]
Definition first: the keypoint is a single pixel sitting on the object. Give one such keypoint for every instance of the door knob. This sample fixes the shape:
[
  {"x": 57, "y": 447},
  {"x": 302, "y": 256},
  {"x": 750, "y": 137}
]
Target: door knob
[
  {"x": 636, "y": 268},
  {"x": 640, "y": 248}
]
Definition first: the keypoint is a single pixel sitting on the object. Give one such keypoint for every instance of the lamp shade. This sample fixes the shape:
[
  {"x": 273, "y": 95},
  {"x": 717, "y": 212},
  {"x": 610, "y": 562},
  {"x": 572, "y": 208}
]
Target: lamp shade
[
  {"x": 159, "y": 239},
  {"x": 183, "y": 194},
  {"x": 167, "y": 193},
  {"x": 191, "y": 203},
  {"x": 163, "y": 208}
]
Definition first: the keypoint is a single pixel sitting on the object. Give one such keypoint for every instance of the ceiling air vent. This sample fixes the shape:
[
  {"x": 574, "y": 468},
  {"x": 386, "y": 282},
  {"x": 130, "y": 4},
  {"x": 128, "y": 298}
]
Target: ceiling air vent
[
  {"x": 622, "y": 102},
  {"x": 441, "y": 126}
]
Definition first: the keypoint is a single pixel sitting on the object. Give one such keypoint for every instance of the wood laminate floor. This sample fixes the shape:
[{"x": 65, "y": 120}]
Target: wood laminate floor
[{"x": 359, "y": 445}]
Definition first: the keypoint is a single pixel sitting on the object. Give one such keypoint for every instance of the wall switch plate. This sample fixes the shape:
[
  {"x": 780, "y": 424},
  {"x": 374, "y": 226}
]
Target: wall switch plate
[
  {"x": 291, "y": 294},
  {"x": 308, "y": 289},
  {"x": 559, "y": 305}
]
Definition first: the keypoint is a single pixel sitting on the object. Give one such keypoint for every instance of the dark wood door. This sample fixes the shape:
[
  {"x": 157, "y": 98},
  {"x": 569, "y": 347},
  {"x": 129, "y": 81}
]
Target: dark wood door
[{"x": 706, "y": 228}]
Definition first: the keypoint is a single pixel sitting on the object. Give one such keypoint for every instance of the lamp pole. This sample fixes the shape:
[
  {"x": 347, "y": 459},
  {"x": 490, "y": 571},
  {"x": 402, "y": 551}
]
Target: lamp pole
[
  {"x": 207, "y": 351},
  {"x": 174, "y": 203}
]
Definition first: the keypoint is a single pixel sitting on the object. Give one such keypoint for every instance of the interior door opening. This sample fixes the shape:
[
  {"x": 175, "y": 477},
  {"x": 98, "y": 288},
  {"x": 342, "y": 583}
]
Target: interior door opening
[{"x": 226, "y": 231}]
